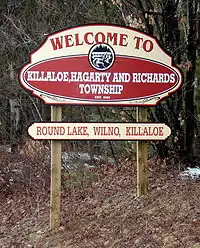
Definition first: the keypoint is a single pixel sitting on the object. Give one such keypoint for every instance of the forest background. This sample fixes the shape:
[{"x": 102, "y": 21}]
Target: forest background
[{"x": 176, "y": 24}]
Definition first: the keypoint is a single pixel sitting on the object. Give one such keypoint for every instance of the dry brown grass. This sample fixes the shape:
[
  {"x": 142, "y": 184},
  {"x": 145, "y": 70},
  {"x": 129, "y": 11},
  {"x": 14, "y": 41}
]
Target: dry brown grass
[{"x": 105, "y": 212}]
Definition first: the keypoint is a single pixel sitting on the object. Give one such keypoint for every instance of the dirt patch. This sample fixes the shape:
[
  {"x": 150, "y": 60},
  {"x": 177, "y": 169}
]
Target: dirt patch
[{"x": 106, "y": 212}]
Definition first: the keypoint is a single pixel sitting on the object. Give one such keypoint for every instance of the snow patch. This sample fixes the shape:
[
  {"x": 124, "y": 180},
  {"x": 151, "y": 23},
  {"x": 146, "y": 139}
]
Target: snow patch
[
  {"x": 73, "y": 160},
  {"x": 193, "y": 173}
]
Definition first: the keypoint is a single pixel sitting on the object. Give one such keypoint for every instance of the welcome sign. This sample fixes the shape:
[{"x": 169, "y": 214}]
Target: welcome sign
[
  {"x": 98, "y": 65},
  {"x": 102, "y": 65}
]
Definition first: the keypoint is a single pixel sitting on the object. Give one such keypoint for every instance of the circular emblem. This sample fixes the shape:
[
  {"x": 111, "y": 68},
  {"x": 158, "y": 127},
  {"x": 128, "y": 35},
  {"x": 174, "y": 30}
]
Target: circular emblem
[{"x": 101, "y": 56}]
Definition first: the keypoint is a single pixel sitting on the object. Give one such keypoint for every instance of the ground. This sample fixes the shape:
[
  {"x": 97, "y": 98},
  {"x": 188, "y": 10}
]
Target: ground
[{"x": 99, "y": 207}]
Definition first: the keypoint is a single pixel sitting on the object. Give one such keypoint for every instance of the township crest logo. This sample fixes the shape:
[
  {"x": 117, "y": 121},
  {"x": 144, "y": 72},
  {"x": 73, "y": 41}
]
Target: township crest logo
[{"x": 101, "y": 56}]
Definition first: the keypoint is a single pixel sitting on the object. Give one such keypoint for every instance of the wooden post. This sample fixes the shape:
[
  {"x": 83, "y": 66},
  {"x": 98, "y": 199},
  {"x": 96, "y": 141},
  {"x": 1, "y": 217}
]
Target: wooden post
[
  {"x": 56, "y": 115},
  {"x": 142, "y": 153}
]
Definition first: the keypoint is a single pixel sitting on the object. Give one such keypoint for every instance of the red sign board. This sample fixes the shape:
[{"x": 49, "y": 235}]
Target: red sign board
[{"x": 100, "y": 64}]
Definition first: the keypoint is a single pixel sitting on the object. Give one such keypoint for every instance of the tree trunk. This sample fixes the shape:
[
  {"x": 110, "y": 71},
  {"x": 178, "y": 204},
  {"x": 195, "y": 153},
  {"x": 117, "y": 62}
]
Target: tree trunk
[{"x": 190, "y": 78}]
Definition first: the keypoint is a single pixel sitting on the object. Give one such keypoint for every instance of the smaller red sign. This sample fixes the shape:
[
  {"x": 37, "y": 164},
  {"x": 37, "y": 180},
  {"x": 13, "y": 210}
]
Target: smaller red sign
[{"x": 99, "y": 131}]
